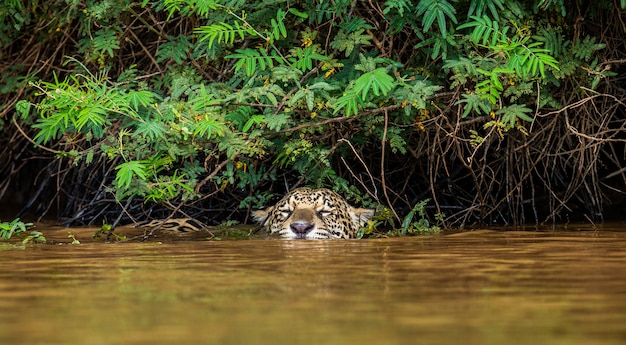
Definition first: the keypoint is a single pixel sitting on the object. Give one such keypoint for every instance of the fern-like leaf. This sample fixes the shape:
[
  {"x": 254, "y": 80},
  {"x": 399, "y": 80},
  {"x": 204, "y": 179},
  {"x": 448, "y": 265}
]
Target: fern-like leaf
[
  {"x": 513, "y": 112},
  {"x": 251, "y": 58},
  {"x": 349, "y": 101},
  {"x": 377, "y": 82},
  {"x": 204, "y": 7},
  {"x": 154, "y": 130},
  {"x": 530, "y": 59},
  {"x": 303, "y": 58},
  {"x": 127, "y": 171},
  {"x": 276, "y": 122},
  {"x": 277, "y": 27},
  {"x": 436, "y": 10},
  {"x": 140, "y": 98},
  {"x": 585, "y": 50},
  {"x": 399, "y": 5},
  {"x": 210, "y": 127},
  {"x": 479, "y": 7},
  {"x": 474, "y": 103},
  {"x": 492, "y": 88},
  {"x": 552, "y": 41},
  {"x": 486, "y": 31},
  {"x": 545, "y": 4},
  {"x": 176, "y": 50},
  {"x": 222, "y": 33},
  {"x": 348, "y": 42}
]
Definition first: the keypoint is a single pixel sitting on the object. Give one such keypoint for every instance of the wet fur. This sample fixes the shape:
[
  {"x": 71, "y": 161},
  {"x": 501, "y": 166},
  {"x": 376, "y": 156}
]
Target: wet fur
[{"x": 313, "y": 214}]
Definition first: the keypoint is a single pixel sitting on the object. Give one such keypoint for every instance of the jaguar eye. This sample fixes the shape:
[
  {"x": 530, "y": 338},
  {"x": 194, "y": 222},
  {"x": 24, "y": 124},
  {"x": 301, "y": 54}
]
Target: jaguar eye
[
  {"x": 323, "y": 213},
  {"x": 285, "y": 213}
]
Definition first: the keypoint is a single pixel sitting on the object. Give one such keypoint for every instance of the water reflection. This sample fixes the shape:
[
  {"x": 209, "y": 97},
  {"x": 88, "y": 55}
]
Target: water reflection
[{"x": 473, "y": 288}]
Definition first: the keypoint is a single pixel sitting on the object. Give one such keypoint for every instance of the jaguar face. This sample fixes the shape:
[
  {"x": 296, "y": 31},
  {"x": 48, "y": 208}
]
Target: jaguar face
[{"x": 307, "y": 213}]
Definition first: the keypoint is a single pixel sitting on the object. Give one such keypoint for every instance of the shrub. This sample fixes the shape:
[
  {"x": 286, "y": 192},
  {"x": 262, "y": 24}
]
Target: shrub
[{"x": 217, "y": 105}]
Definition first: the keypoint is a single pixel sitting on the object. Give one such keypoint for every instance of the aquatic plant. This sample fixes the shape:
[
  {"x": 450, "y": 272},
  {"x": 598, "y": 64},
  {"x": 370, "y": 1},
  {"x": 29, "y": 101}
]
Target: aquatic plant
[{"x": 17, "y": 228}]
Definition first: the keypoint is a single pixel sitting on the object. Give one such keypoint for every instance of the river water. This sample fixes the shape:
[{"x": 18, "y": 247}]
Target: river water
[{"x": 478, "y": 287}]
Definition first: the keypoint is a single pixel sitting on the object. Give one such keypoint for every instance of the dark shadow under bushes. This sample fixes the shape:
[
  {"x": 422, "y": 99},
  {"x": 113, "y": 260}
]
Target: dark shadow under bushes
[{"x": 116, "y": 112}]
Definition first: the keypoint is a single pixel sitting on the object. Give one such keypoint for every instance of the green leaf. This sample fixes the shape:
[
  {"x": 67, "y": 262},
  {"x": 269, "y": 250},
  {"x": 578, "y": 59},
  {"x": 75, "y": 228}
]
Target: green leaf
[
  {"x": 530, "y": 59},
  {"x": 377, "y": 82},
  {"x": 276, "y": 122},
  {"x": 349, "y": 101},
  {"x": 250, "y": 58},
  {"x": 347, "y": 42},
  {"x": 486, "y": 31},
  {"x": 398, "y": 5},
  {"x": 303, "y": 59},
  {"x": 440, "y": 10},
  {"x": 154, "y": 130},
  {"x": 209, "y": 127},
  {"x": 93, "y": 117},
  {"x": 129, "y": 170},
  {"x": 105, "y": 41},
  {"x": 513, "y": 112},
  {"x": 222, "y": 33},
  {"x": 140, "y": 98},
  {"x": 254, "y": 119},
  {"x": 177, "y": 50},
  {"x": 303, "y": 15},
  {"x": 204, "y": 7},
  {"x": 23, "y": 108},
  {"x": 474, "y": 103},
  {"x": 478, "y": 8}
]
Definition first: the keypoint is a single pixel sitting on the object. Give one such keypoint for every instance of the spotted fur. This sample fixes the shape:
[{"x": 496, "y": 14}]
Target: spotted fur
[
  {"x": 174, "y": 226},
  {"x": 308, "y": 213}
]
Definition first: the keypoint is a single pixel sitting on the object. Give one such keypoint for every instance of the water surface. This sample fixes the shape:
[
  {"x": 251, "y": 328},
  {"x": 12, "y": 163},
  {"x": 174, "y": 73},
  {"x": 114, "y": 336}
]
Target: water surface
[{"x": 480, "y": 287}]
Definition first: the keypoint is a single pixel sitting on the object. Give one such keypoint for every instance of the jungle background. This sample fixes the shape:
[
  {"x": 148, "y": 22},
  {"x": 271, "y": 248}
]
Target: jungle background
[{"x": 477, "y": 111}]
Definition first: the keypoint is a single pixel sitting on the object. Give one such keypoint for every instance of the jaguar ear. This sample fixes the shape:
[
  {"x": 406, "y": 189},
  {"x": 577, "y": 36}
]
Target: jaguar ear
[
  {"x": 361, "y": 215},
  {"x": 262, "y": 216}
]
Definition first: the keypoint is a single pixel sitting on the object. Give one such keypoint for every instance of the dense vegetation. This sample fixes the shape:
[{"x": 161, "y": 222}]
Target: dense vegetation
[{"x": 494, "y": 110}]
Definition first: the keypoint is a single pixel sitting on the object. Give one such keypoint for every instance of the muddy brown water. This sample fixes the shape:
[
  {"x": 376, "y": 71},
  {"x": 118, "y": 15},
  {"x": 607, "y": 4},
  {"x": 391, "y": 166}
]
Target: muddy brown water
[{"x": 478, "y": 287}]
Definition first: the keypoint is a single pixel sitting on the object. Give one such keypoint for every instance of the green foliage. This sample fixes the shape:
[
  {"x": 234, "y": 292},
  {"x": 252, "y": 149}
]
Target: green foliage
[
  {"x": 420, "y": 225},
  {"x": 253, "y": 60},
  {"x": 513, "y": 112},
  {"x": 525, "y": 57},
  {"x": 152, "y": 139},
  {"x": 188, "y": 7},
  {"x": 348, "y": 42},
  {"x": 103, "y": 43},
  {"x": 223, "y": 33},
  {"x": 491, "y": 88},
  {"x": 586, "y": 48},
  {"x": 374, "y": 82},
  {"x": 440, "y": 10},
  {"x": 176, "y": 50},
  {"x": 474, "y": 104},
  {"x": 80, "y": 104},
  {"x": 508, "y": 117},
  {"x": 546, "y": 4},
  {"x": 513, "y": 59},
  {"x": 414, "y": 223},
  {"x": 200, "y": 97},
  {"x": 479, "y": 8},
  {"x": 20, "y": 229}
]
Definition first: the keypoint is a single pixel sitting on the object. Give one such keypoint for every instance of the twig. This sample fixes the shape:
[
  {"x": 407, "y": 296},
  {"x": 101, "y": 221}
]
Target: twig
[
  {"x": 382, "y": 167},
  {"x": 31, "y": 140},
  {"x": 369, "y": 174}
]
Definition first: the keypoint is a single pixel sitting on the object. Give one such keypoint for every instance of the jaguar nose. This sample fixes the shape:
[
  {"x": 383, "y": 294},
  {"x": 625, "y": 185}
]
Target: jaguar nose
[{"x": 301, "y": 228}]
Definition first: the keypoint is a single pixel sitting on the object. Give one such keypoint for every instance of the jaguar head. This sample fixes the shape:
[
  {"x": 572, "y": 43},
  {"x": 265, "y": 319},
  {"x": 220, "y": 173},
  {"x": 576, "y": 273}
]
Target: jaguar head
[{"x": 307, "y": 213}]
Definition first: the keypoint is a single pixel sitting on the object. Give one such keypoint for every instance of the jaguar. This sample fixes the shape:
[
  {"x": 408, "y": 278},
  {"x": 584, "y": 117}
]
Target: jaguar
[
  {"x": 173, "y": 226},
  {"x": 308, "y": 213}
]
